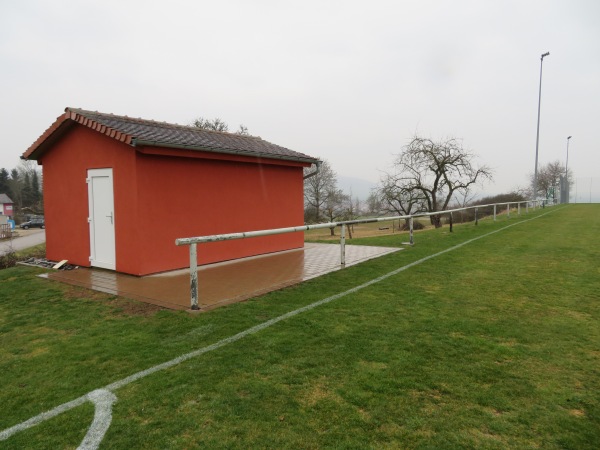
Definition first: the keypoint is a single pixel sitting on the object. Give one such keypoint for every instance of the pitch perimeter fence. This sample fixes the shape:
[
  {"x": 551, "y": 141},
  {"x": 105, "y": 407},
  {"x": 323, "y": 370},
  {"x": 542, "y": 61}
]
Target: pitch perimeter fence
[{"x": 491, "y": 209}]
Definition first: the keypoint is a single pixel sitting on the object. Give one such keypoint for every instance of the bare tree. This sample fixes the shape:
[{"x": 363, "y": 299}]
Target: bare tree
[
  {"x": 549, "y": 177},
  {"x": 336, "y": 206},
  {"x": 317, "y": 190},
  {"x": 374, "y": 205},
  {"x": 430, "y": 173},
  {"x": 396, "y": 197},
  {"x": 354, "y": 209},
  {"x": 214, "y": 125},
  {"x": 242, "y": 130},
  {"x": 217, "y": 125},
  {"x": 462, "y": 199}
]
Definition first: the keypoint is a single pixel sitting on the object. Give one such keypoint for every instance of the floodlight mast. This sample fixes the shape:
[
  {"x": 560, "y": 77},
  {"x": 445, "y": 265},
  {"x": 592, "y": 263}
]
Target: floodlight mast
[
  {"x": 537, "y": 139},
  {"x": 567, "y": 171}
]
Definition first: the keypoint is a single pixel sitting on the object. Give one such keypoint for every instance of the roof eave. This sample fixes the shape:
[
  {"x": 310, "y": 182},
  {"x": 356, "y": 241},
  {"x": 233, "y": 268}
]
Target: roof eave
[
  {"x": 140, "y": 142},
  {"x": 51, "y": 135}
]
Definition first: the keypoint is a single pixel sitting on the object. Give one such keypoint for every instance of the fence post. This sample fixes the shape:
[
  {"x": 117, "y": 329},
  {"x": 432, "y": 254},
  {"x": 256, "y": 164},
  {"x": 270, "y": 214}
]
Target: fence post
[
  {"x": 526, "y": 207},
  {"x": 410, "y": 227},
  {"x": 518, "y": 208},
  {"x": 343, "y": 246},
  {"x": 508, "y": 210},
  {"x": 194, "y": 277},
  {"x": 451, "y": 221},
  {"x": 494, "y": 212},
  {"x": 476, "y": 220}
]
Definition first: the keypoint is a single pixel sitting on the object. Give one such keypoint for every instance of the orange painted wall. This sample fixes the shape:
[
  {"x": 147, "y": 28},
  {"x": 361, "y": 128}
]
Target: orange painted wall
[
  {"x": 183, "y": 197},
  {"x": 160, "y": 198},
  {"x": 66, "y": 197}
]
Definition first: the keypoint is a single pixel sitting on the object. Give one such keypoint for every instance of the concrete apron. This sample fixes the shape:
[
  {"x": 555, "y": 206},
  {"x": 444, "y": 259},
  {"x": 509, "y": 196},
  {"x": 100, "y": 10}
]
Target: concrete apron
[{"x": 223, "y": 283}]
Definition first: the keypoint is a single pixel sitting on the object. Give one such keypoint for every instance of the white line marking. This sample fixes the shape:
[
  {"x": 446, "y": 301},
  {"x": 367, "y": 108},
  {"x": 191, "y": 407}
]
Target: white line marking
[
  {"x": 5, "y": 434},
  {"x": 103, "y": 400}
]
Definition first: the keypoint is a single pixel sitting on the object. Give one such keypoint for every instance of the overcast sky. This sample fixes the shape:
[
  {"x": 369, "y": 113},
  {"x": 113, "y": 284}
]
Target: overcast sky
[{"x": 348, "y": 81}]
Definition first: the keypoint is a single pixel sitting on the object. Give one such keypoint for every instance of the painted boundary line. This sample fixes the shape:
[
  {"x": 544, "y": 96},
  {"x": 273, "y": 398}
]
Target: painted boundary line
[{"x": 93, "y": 395}]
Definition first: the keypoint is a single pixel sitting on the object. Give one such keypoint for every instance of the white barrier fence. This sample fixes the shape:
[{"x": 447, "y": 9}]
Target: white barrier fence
[{"x": 193, "y": 241}]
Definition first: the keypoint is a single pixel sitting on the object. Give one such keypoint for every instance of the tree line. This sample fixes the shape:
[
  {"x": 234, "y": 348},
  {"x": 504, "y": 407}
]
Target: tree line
[
  {"x": 426, "y": 176},
  {"x": 24, "y": 187}
]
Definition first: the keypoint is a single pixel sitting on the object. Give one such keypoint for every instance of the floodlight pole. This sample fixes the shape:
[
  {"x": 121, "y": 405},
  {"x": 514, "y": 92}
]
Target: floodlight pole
[
  {"x": 567, "y": 172},
  {"x": 537, "y": 139}
]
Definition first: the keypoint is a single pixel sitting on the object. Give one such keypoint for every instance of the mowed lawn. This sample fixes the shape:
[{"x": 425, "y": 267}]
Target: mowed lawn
[{"x": 495, "y": 344}]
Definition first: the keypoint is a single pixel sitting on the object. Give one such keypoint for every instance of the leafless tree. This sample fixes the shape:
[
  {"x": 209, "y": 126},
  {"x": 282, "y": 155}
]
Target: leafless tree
[
  {"x": 217, "y": 125},
  {"x": 317, "y": 190},
  {"x": 462, "y": 199},
  {"x": 396, "y": 197},
  {"x": 354, "y": 209},
  {"x": 214, "y": 125},
  {"x": 336, "y": 206},
  {"x": 428, "y": 174},
  {"x": 549, "y": 176},
  {"x": 373, "y": 203},
  {"x": 242, "y": 130}
]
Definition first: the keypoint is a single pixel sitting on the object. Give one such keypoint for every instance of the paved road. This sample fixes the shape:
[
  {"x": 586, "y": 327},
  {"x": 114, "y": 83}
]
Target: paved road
[{"x": 34, "y": 238}]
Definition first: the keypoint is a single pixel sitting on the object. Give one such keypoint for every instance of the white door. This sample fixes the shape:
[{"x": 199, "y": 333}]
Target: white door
[{"x": 101, "y": 218}]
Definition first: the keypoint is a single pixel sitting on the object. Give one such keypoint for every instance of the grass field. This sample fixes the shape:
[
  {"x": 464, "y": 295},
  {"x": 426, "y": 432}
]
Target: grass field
[{"x": 495, "y": 344}]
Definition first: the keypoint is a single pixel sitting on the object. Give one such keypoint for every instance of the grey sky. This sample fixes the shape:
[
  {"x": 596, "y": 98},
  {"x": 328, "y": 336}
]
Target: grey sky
[{"x": 348, "y": 81}]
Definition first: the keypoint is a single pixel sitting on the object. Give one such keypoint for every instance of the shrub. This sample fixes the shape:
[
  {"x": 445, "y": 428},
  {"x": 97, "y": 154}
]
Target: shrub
[
  {"x": 8, "y": 260},
  {"x": 11, "y": 258}
]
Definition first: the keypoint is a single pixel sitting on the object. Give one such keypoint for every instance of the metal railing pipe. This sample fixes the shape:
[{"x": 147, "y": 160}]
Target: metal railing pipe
[
  {"x": 194, "y": 277},
  {"x": 343, "y": 246},
  {"x": 193, "y": 241}
]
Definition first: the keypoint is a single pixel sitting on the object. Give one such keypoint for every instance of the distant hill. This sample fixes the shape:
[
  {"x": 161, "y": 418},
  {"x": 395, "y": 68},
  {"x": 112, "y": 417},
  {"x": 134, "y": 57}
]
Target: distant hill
[{"x": 360, "y": 188}]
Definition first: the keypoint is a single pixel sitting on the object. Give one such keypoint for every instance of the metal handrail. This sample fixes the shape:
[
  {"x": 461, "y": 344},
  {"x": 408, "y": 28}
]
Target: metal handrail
[{"x": 193, "y": 241}]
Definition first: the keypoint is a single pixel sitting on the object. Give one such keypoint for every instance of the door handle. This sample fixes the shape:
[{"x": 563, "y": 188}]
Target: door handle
[{"x": 111, "y": 217}]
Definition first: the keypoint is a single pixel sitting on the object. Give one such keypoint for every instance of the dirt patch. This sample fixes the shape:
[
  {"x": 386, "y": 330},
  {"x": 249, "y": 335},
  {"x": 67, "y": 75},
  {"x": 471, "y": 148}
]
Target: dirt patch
[
  {"x": 124, "y": 305},
  {"x": 317, "y": 393},
  {"x": 577, "y": 412},
  {"x": 134, "y": 308}
]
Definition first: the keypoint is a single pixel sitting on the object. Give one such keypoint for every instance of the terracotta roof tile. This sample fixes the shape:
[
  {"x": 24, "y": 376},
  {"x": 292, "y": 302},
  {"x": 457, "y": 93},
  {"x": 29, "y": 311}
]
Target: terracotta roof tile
[
  {"x": 149, "y": 132},
  {"x": 140, "y": 132}
]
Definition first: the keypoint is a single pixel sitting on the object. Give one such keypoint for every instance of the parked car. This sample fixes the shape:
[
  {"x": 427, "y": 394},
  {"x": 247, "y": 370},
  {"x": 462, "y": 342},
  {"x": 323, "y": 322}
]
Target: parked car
[{"x": 33, "y": 223}]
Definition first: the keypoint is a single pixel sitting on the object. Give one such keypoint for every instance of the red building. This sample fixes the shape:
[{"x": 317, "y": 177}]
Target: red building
[{"x": 118, "y": 191}]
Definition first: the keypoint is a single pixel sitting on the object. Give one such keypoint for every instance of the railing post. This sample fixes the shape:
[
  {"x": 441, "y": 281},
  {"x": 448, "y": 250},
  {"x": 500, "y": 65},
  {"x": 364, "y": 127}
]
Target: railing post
[
  {"x": 343, "y": 246},
  {"x": 410, "y": 228},
  {"x": 508, "y": 210},
  {"x": 451, "y": 221},
  {"x": 518, "y": 208},
  {"x": 476, "y": 219},
  {"x": 194, "y": 277},
  {"x": 494, "y": 212},
  {"x": 527, "y": 207}
]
